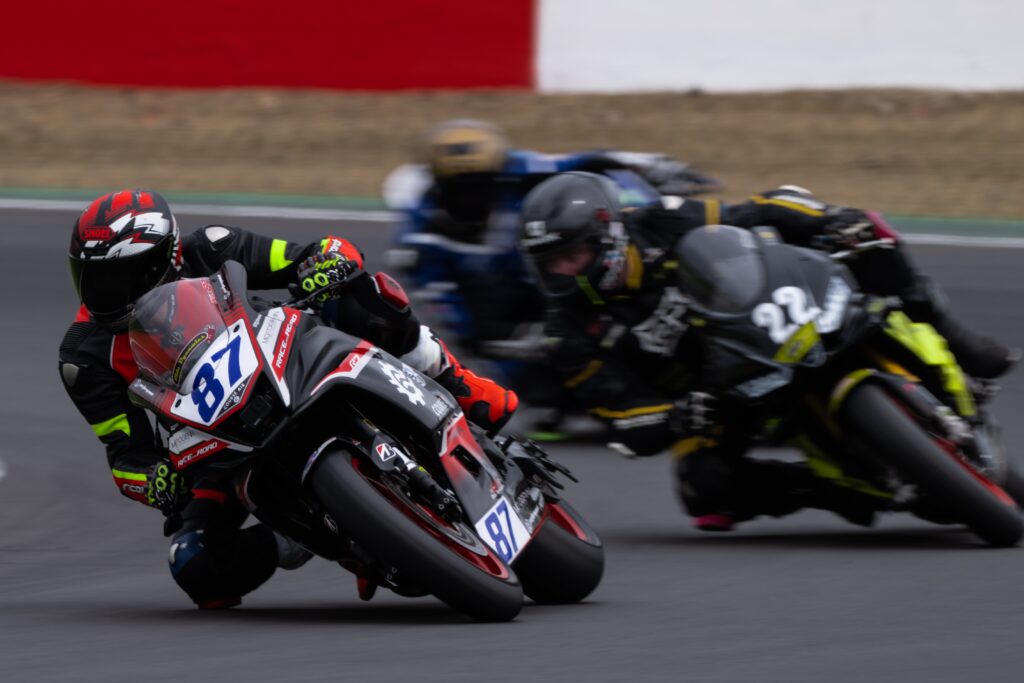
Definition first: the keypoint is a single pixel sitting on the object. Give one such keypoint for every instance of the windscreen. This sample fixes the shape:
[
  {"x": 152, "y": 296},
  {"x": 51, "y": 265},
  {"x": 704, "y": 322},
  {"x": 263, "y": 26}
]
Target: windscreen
[
  {"x": 171, "y": 328},
  {"x": 721, "y": 268}
]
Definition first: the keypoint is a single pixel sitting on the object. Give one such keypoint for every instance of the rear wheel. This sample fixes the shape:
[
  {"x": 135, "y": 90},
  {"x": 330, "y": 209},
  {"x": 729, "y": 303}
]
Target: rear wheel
[
  {"x": 448, "y": 560},
  {"x": 968, "y": 496},
  {"x": 564, "y": 562}
]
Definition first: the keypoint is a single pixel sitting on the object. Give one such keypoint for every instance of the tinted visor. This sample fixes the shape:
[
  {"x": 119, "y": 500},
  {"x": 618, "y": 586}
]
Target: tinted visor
[
  {"x": 108, "y": 287},
  {"x": 560, "y": 269}
]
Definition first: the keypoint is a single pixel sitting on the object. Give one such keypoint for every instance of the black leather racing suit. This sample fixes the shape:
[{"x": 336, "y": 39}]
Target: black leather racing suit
[{"x": 212, "y": 559}]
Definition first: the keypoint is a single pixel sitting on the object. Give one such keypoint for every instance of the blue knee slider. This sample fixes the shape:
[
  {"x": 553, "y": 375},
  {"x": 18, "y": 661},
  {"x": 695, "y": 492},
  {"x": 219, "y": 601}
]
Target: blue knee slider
[{"x": 183, "y": 549}]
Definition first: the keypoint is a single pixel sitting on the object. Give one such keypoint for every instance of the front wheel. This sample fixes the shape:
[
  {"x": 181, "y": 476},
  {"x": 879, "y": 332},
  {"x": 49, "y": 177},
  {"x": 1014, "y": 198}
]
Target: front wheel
[
  {"x": 885, "y": 428},
  {"x": 448, "y": 560},
  {"x": 564, "y": 562}
]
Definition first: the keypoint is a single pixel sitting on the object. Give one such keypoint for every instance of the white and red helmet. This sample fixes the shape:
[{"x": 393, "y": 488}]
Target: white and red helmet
[{"x": 123, "y": 245}]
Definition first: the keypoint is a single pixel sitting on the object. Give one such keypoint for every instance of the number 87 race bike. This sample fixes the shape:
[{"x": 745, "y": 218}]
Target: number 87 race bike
[
  {"x": 876, "y": 402},
  {"x": 347, "y": 450}
]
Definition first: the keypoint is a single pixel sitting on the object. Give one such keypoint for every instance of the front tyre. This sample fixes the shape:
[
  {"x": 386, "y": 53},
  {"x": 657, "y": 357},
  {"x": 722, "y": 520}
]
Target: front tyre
[
  {"x": 564, "y": 562},
  {"x": 393, "y": 528},
  {"x": 885, "y": 428}
]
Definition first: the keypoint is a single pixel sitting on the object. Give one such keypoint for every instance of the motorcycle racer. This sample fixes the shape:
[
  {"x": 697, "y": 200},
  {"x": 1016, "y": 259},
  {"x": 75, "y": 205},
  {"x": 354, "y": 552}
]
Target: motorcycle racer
[
  {"x": 617, "y": 339},
  {"x": 126, "y": 243},
  {"x": 457, "y": 239},
  {"x": 456, "y": 243}
]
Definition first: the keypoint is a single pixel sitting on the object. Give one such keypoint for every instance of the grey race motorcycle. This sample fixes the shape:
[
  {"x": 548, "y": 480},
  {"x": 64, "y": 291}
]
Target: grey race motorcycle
[{"x": 360, "y": 458}]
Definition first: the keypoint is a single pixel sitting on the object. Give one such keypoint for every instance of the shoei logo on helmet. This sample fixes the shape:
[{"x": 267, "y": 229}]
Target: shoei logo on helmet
[{"x": 95, "y": 234}]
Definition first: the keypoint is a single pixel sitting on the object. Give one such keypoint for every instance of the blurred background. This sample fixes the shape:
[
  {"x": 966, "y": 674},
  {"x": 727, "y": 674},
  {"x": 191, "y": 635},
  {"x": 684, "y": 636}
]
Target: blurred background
[
  {"x": 875, "y": 103},
  {"x": 234, "y": 107}
]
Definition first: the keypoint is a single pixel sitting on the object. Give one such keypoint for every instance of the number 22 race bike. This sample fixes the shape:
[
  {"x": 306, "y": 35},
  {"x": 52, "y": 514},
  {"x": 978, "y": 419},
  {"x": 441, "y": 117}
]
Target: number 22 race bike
[
  {"x": 876, "y": 401},
  {"x": 360, "y": 458}
]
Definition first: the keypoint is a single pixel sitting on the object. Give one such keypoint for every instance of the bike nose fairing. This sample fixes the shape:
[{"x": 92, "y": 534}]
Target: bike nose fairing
[{"x": 722, "y": 268}]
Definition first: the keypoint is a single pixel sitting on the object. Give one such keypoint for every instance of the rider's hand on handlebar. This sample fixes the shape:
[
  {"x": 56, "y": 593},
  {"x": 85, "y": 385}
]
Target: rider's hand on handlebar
[
  {"x": 694, "y": 414},
  {"x": 847, "y": 227},
  {"x": 324, "y": 275},
  {"x": 166, "y": 488}
]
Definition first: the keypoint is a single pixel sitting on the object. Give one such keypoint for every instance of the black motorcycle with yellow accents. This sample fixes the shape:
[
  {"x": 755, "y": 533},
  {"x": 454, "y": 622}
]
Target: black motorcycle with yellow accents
[{"x": 875, "y": 400}]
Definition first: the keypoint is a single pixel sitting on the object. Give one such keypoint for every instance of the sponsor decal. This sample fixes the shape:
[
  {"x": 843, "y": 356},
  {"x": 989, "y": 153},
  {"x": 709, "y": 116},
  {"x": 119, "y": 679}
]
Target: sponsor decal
[
  {"x": 133, "y": 488},
  {"x": 440, "y": 407},
  {"x": 183, "y": 438},
  {"x": 386, "y": 451},
  {"x": 416, "y": 377},
  {"x": 209, "y": 290},
  {"x": 141, "y": 387},
  {"x": 234, "y": 398},
  {"x": 272, "y": 326},
  {"x": 187, "y": 352},
  {"x": 203, "y": 450},
  {"x": 284, "y": 346},
  {"x": 402, "y": 383},
  {"x": 353, "y": 364}
]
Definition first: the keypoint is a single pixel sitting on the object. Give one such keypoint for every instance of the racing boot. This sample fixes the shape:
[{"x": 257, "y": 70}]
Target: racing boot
[
  {"x": 719, "y": 494},
  {"x": 979, "y": 355},
  {"x": 485, "y": 402}
]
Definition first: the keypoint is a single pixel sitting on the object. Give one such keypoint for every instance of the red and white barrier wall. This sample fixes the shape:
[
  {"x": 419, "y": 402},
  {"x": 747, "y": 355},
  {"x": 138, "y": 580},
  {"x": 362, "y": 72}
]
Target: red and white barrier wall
[{"x": 550, "y": 45}]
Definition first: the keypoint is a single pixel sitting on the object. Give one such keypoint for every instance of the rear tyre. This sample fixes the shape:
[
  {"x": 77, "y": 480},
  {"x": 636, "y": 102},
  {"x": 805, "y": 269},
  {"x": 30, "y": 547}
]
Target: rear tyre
[
  {"x": 968, "y": 496},
  {"x": 477, "y": 584},
  {"x": 564, "y": 562}
]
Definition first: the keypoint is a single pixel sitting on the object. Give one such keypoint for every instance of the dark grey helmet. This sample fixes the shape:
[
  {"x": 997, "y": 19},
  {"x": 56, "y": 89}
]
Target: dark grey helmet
[{"x": 575, "y": 218}]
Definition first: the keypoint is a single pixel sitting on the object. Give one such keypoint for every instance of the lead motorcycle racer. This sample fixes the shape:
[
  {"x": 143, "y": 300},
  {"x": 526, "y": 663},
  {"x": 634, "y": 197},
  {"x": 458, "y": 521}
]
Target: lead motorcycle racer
[
  {"x": 617, "y": 338},
  {"x": 125, "y": 244}
]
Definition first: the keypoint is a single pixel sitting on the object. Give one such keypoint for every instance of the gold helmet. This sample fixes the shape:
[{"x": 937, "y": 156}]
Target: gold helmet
[{"x": 464, "y": 146}]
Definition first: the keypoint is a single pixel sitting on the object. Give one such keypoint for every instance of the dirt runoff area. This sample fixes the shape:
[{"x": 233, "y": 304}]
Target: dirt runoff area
[{"x": 908, "y": 152}]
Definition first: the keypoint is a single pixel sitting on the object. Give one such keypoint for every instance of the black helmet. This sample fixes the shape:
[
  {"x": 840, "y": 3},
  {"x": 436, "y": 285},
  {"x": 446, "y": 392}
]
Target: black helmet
[
  {"x": 573, "y": 234},
  {"x": 123, "y": 245}
]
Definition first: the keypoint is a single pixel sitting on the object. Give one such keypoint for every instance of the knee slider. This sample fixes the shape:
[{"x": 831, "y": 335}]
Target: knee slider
[{"x": 184, "y": 548}]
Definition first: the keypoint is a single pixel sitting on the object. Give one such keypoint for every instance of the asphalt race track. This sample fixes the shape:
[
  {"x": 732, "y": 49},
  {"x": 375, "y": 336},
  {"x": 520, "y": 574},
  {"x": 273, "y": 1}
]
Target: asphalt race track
[{"x": 85, "y": 594}]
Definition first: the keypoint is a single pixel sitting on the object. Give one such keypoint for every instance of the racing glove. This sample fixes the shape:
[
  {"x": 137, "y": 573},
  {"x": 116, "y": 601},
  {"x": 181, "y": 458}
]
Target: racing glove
[
  {"x": 323, "y": 276},
  {"x": 694, "y": 414},
  {"x": 166, "y": 488},
  {"x": 846, "y": 227}
]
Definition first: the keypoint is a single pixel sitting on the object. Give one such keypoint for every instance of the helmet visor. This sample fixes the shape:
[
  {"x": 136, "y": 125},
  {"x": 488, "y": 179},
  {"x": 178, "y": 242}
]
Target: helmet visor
[
  {"x": 109, "y": 287},
  {"x": 561, "y": 269}
]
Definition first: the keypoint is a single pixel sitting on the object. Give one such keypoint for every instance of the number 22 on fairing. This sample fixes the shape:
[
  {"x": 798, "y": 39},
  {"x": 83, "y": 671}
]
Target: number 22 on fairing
[
  {"x": 229, "y": 363},
  {"x": 503, "y": 531},
  {"x": 793, "y": 301}
]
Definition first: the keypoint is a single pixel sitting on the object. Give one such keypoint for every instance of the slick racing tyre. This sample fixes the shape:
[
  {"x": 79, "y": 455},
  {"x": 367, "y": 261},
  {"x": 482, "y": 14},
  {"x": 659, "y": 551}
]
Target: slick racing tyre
[
  {"x": 947, "y": 480},
  {"x": 564, "y": 562},
  {"x": 447, "y": 559}
]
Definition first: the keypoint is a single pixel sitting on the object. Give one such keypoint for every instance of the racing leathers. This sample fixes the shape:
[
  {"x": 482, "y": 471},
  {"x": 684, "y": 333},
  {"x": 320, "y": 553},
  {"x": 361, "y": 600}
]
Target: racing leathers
[
  {"x": 457, "y": 238},
  {"x": 211, "y": 558},
  {"x": 628, "y": 357}
]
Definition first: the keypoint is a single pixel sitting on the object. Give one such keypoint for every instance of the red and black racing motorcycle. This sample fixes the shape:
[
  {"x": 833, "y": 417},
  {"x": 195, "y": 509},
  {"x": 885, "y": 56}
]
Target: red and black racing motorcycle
[{"x": 360, "y": 458}]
